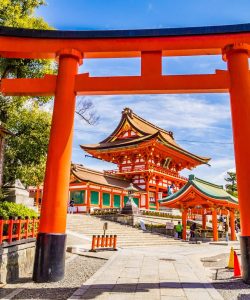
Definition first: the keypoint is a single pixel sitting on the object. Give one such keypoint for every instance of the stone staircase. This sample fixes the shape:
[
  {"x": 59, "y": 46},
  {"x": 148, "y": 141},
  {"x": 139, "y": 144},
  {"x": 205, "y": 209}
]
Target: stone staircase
[{"x": 126, "y": 236}]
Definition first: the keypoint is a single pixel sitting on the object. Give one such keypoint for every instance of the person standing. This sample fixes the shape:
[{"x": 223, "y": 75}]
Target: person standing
[
  {"x": 226, "y": 228},
  {"x": 192, "y": 230},
  {"x": 179, "y": 229},
  {"x": 71, "y": 206}
]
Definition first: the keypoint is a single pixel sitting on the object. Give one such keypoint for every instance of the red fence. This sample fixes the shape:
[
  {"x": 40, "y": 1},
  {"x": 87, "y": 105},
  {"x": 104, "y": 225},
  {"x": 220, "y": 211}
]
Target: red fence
[
  {"x": 16, "y": 230},
  {"x": 104, "y": 242}
]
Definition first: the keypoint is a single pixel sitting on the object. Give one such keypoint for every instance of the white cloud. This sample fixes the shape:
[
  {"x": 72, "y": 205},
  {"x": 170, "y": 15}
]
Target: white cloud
[{"x": 215, "y": 173}]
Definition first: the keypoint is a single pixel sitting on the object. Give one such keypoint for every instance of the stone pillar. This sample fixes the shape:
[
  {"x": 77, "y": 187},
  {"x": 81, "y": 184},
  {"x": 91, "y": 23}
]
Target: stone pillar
[
  {"x": 51, "y": 241},
  {"x": 237, "y": 60}
]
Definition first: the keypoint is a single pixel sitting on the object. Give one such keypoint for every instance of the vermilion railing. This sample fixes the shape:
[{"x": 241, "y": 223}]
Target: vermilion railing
[
  {"x": 15, "y": 230},
  {"x": 142, "y": 169}
]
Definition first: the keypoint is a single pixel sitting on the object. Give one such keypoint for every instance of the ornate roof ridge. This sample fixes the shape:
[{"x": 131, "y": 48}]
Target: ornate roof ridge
[{"x": 128, "y": 111}]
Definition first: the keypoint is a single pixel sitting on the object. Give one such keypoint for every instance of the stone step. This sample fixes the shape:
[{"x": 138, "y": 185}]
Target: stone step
[{"x": 126, "y": 236}]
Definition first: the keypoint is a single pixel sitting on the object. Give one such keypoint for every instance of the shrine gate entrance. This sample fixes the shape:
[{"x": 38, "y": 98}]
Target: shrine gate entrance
[{"x": 71, "y": 47}]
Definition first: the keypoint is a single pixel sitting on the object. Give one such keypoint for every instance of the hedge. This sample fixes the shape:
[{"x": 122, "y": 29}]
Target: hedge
[{"x": 11, "y": 209}]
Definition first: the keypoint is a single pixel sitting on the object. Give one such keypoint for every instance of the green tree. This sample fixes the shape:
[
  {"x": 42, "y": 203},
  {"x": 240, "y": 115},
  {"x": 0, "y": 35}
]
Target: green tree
[
  {"x": 25, "y": 154},
  {"x": 26, "y": 151},
  {"x": 231, "y": 186}
]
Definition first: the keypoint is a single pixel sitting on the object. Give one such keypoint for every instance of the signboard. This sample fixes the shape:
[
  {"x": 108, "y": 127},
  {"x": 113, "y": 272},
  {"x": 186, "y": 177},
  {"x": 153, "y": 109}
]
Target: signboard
[{"x": 170, "y": 225}]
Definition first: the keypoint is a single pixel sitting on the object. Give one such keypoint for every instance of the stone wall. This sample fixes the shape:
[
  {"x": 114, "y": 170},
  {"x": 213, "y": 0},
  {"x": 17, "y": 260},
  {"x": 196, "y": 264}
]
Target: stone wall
[{"x": 16, "y": 261}]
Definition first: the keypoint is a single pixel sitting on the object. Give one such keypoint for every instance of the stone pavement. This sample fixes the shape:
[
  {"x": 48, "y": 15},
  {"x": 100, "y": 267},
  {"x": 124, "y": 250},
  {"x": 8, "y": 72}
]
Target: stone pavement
[{"x": 161, "y": 272}]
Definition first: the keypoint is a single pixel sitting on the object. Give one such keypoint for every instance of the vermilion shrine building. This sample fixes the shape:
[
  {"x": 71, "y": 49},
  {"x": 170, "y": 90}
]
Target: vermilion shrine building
[
  {"x": 199, "y": 197},
  {"x": 146, "y": 155}
]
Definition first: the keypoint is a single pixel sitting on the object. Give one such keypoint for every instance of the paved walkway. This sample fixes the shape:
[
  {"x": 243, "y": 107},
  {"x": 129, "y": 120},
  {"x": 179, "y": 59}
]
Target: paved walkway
[{"x": 162, "y": 272}]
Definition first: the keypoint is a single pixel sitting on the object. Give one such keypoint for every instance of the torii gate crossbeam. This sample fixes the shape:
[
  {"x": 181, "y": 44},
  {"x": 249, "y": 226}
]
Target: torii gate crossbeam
[{"x": 70, "y": 47}]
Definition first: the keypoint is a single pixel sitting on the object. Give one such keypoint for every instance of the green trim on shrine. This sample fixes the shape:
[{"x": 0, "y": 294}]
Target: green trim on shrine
[{"x": 207, "y": 188}]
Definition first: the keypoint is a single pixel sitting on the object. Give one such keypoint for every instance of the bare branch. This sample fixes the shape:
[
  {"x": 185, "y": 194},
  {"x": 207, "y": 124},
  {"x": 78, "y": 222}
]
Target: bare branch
[{"x": 86, "y": 111}]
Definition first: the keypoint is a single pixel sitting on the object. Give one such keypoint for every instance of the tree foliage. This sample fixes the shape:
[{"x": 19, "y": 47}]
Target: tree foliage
[
  {"x": 231, "y": 186},
  {"x": 20, "y": 13},
  {"x": 25, "y": 154}
]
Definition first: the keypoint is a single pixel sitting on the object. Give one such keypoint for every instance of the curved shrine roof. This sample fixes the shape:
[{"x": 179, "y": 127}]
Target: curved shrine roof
[
  {"x": 207, "y": 189},
  {"x": 84, "y": 174},
  {"x": 145, "y": 131}
]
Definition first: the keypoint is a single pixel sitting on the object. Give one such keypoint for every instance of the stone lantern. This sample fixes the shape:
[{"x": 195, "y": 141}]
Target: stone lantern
[{"x": 130, "y": 207}]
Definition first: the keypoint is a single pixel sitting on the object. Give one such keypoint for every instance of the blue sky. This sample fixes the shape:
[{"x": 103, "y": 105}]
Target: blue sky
[{"x": 201, "y": 122}]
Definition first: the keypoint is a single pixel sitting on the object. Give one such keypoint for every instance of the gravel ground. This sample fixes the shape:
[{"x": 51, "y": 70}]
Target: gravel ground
[
  {"x": 229, "y": 287},
  {"x": 78, "y": 270}
]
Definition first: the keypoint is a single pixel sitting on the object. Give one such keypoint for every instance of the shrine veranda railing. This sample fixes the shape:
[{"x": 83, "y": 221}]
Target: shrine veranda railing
[
  {"x": 13, "y": 230},
  {"x": 143, "y": 169}
]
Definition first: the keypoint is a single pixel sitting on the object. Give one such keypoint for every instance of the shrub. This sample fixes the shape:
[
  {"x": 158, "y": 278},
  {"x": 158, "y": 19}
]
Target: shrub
[
  {"x": 149, "y": 226},
  {"x": 10, "y": 209}
]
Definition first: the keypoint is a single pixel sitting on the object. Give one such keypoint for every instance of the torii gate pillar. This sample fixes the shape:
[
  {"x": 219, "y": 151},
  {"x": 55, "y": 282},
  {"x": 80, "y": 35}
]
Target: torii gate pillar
[
  {"x": 237, "y": 59},
  {"x": 51, "y": 241}
]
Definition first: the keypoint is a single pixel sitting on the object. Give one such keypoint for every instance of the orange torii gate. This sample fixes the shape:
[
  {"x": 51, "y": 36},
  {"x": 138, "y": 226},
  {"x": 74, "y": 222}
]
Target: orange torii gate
[{"x": 70, "y": 47}]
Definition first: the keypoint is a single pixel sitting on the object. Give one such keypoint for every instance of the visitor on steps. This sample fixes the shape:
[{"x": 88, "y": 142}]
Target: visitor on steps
[
  {"x": 178, "y": 229},
  {"x": 71, "y": 206}
]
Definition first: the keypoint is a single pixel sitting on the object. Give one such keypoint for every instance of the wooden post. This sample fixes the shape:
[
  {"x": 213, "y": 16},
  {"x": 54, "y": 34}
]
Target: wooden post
[
  {"x": 101, "y": 198},
  {"x": 115, "y": 242},
  {"x": 156, "y": 196},
  {"x": 215, "y": 224},
  {"x": 19, "y": 228},
  {"x": 147, "y": 192},
  {"x": 98, "y": 240},
  {"x": 112, "y": 199},
  {"x": 50, "y": 264},
  {"x": 184, "y": 224},
  {"x": 204, "y": 220},
  {"x": 10, "y": 229},
  {"x": 33, "y": 227},
  {"x": 238, "y": 67},
  {"x": 232, "y": 225},
  {"x": 26, "y": 227},
  {"x": 103, "y": 241},
  {"x": 1, "y": 230},
  {"x": 93, "y": 243},
  {"x": 88, "y": 199}
]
